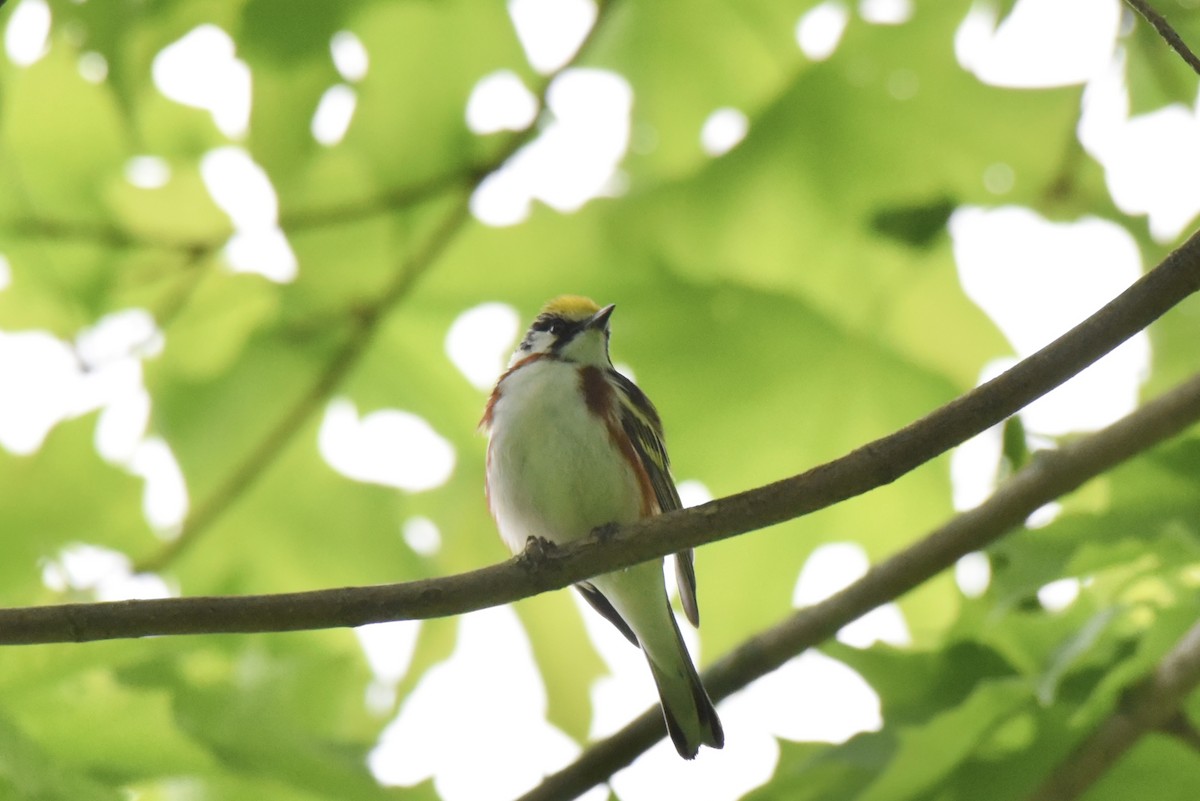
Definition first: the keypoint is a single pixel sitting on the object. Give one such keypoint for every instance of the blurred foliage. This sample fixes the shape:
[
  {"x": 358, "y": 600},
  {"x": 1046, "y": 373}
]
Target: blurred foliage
[{"x": 782, "y": 303}]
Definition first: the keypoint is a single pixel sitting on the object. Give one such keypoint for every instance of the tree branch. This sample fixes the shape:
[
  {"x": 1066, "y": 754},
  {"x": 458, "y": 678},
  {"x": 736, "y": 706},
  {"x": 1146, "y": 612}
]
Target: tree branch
[
  {"x": 366, "y": 321},
  {"x": 108, "y": 235},
  {"x": 1050, "y": 475},
  {"x": 1168, "y": 33},
  {"x": 866, "y": 468},
  {"x": 292, "y": 220},
  {"x": 1150, "y": 705},
  {"x": 1182, "y": 729}
]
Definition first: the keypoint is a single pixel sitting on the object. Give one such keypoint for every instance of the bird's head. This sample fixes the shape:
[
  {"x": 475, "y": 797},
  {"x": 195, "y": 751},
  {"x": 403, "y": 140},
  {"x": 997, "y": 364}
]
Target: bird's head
[{"x": 572, "y": 328}]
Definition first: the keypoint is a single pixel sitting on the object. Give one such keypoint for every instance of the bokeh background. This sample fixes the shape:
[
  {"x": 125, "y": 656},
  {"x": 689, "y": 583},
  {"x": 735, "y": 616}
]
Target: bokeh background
[{"x": 261, "y": 261}]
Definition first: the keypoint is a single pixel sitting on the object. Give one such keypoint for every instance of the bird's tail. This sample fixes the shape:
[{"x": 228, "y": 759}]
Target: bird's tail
[{"x": 691, "y": 718}]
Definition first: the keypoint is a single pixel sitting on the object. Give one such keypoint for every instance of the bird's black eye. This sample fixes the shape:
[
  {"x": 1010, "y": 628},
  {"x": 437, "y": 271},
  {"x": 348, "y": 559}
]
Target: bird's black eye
[{"x": 554, "y": 326}]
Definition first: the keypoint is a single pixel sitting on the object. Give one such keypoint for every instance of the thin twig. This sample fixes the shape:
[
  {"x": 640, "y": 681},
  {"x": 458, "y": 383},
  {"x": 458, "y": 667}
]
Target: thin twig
[
  {"x": 1182, "y": 729},
  {"x": 1048, "y": 476},
  {"x": 388, "y": 201},
  {"x": 1162, "y": 67},
  {"x": 108, "y": 235},
  {"x": 870, "y": 466},
  {"x": 1168, "y": 33},
  {"x": 1148, "y": 706}
]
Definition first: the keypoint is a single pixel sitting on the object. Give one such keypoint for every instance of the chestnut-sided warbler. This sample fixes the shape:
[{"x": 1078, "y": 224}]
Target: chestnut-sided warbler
[{"x": 574, "y": 445}]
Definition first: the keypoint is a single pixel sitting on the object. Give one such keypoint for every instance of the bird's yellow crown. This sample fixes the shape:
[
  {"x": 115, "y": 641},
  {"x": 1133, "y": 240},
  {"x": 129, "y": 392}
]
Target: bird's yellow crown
[{"x": 571, "y": 307}]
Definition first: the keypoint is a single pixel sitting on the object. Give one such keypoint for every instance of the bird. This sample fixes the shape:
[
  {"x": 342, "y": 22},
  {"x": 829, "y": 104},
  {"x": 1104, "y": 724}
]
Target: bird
[{"x": 574, "y": 445}]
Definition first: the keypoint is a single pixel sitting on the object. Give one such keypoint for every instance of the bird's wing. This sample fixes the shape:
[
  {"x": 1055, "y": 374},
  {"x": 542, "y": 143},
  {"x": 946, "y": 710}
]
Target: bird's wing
[
  {"x": 642, "y": 425},
  {"x": 685, "y": 579},
  {"x": 602, "y": 605}
]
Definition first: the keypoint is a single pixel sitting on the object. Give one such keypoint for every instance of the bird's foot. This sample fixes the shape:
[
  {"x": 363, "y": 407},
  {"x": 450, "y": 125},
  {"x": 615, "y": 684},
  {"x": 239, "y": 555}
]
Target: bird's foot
[
  {"x": 536, "y": 552},
  {"x": 606, "y": 532}
]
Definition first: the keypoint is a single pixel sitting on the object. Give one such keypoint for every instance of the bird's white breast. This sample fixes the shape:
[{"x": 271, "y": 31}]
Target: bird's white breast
[{"x": 553, "y": 471}]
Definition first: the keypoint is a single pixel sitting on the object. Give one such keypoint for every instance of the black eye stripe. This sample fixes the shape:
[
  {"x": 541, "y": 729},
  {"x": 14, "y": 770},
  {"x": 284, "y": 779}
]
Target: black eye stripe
[{"x": 554, "y": 325}]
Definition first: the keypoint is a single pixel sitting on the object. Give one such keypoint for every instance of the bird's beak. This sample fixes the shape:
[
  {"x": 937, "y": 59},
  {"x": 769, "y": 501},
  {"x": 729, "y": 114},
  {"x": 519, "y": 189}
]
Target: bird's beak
[{"x": 599, "y": 320}]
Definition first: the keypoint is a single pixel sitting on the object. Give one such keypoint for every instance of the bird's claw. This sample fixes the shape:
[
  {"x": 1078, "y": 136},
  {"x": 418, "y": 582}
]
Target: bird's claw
[
  {"x": 536, "y": 552},
  {"x": 606, "y": 532}
]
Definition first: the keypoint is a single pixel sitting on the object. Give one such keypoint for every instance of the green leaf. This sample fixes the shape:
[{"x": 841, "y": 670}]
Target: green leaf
[
  {"x": 1156, "y": 75},
  {"x": 824, "y": 772},
  {"x": 28, "y": 772},
  {"x": 409, "y": 128},
  {"x": 1071, "y": 650},
  {"x": 222, "y": 311},
  {"x": 927, "y": 754},
  {"x": 914, "y": 225},
  {"x": 67, "y": 495},
  {"x": 1016, "y": 444},
  {"x": 1156, "y": 766},
  {"x": 64, "y": 164},
  {"x": 147, "y": 742},
  {"x": 729, "y": 54},
  {"x": 912, "y": 685}
]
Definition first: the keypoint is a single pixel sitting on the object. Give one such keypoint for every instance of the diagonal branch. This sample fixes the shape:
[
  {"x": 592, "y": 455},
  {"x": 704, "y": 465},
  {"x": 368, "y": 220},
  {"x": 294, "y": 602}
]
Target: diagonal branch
[
  {"x": 1180, "y": 726},
  {"x": 113, "y": 236},
  {"x": 366, "y": 321},
  {"x": 866, "y": 468},
  {"x": 1049, "y": 476},
  {"x": 108, "y": 235},
  {"x": 1152, "y": 704},
  {"x": 1173, "y": 39}
]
